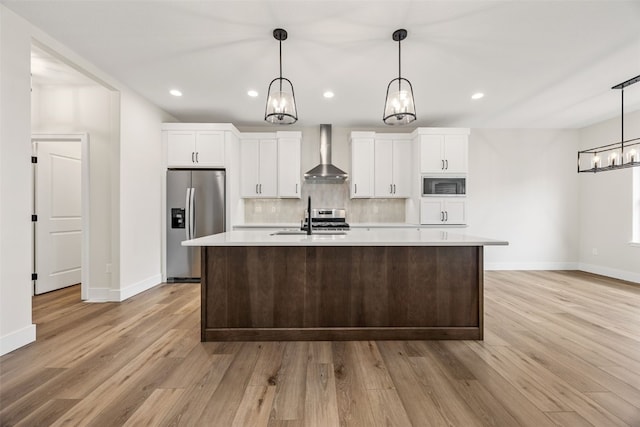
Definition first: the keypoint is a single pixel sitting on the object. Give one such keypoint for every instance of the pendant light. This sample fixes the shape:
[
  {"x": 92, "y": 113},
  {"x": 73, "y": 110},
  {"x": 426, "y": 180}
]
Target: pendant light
[
  {"x": 281, "y": 102},
  {"x": 619, "y": 155},
  {"x": 399, "y": 107}
]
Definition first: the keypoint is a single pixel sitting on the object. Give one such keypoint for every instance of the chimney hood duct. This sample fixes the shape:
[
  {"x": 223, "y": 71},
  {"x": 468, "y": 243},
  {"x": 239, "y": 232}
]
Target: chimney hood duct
[{"x": 325, "y": 171}]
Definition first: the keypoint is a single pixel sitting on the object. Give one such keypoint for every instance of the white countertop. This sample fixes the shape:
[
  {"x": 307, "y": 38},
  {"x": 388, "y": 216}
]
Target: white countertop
[
  {"x": 281, "y": 225},
  {"x": 354, "y": 237}
]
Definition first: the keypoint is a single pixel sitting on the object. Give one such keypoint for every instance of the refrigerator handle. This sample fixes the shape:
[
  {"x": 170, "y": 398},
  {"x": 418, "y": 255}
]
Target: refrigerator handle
[
  {"x": 187, "y": 214},
  {"x": 192, "y": 211}
]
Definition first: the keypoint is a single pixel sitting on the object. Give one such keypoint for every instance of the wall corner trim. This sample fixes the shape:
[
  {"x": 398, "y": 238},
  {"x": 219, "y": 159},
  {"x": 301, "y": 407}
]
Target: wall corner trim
[
  {"x": 17, "y": 339},
  {"x": 118, "y": 295}
]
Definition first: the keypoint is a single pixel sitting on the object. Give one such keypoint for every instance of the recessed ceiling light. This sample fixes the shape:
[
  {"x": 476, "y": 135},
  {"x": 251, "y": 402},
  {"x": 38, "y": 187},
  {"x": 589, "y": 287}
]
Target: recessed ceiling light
[
  {"x": 328, "y": 94},
  {"x": 175, "y": 92},
  {"x": 252, "y": 93},
  {"x": 477, "y": 95}
]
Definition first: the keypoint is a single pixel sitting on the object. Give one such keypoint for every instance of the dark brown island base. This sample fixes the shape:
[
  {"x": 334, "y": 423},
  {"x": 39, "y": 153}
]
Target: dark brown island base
[{"x": 415, "y": 287}]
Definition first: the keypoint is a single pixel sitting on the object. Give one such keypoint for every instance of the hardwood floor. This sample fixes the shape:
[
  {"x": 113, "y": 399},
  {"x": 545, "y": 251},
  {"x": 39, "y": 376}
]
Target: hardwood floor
[{"x": 560, "y": 348}]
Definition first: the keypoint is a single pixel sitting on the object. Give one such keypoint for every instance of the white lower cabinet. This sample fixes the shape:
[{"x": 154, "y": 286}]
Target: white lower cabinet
[{"x": 443, "y": 211}]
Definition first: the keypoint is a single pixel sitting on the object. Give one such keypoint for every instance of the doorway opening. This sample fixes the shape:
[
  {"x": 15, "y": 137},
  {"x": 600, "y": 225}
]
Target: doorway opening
[{"x": 72, "y": 110}]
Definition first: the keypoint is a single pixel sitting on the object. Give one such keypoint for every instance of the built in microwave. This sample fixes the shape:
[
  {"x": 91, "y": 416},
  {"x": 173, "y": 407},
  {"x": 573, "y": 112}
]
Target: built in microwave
[{"x": 444, "y": 186}]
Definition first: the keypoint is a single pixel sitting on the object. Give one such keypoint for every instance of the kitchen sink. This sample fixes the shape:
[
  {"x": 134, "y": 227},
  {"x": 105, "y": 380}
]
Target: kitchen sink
[{"x": 302, "y": 233}]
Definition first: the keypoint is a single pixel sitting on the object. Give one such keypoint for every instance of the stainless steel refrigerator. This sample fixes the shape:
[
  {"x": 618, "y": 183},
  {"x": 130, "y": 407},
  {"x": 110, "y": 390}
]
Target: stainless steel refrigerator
[{"x": 195, "y": 208}]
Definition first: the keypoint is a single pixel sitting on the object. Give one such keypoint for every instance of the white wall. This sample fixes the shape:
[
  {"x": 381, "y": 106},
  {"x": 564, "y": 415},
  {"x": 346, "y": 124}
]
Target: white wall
[
  {"x": 64, "y": 108},
  {"x": 523, "y": 187},
  {"x": 16, "y": 328},
  {"x": 606, "y": 207},
  {"x": 140, "y": 195}
]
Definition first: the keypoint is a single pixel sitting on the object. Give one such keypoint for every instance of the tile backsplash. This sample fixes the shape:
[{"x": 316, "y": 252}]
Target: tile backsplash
[{"x": 324, "y": 195}]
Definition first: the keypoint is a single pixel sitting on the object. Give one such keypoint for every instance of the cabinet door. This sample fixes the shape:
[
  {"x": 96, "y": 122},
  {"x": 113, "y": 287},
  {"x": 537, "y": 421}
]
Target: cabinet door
[
  {"x": 383, "y": 168},
  {"x": 268, "y": 169},
  {"x": 249, "y": 162},
  {"x": 431, "y": 211},
  {"x": 210, "y": 148},
  {"x": 181, "y": 148},
  {"x": 455, "y": 153},
  {"x": 289, "y": 167},
  {"x": 402, "y": 168},
  {"x": 431, "y": 159},
  {"x": 455, "y": 211},
  {"x": 362, "y": 159}
]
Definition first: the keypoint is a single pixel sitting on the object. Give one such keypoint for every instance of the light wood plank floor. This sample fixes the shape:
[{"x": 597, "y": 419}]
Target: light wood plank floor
[{"x": 561, "y": 348}]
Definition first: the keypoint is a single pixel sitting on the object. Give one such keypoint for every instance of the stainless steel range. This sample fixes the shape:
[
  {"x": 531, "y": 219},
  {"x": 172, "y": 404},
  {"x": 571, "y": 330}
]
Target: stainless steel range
[{"x": 328, "y": 219}]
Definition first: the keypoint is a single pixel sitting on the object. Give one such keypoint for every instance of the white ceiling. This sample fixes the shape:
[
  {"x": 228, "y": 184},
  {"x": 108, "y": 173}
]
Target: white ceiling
[{"x": 544, "y": 64}]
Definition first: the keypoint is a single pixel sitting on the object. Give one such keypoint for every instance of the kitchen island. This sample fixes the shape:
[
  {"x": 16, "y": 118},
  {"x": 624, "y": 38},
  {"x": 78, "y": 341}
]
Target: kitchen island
[{"x": 358, "y": 285}]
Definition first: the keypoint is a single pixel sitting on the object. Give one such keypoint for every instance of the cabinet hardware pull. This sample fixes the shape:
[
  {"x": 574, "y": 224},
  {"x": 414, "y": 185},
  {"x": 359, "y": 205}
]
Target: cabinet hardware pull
[
  {"x": 441, "y": 216},
  {"x": 296, "y": 188},
  {"x": 447, "y": 163},
  {"x": 256, "y": 188},
  {"x": 390, "y": 188},
  {"x": 394, "y": 189},
  {"x": 260, "y": 188},
  {"x": 197, "y": 153},
  {"x": 355, "y": 186},
  {"x": 446, "y": 216},
  {"x": 192, "y": 157}
]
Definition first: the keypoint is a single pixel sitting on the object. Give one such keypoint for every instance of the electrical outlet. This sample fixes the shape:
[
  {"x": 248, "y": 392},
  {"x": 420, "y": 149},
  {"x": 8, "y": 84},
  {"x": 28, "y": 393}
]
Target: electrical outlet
[{"x": 594, "y": 251}]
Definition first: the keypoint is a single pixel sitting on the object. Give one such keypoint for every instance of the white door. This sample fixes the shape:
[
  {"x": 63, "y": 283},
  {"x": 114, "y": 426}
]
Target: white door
[
  {"x": 431, "y": 160},
  {"x": 181, "y": 148},
  {"x": 431, "y": 211},
  {"x": 268, "y": 168},
  {"x": 58, "y": 239},
  {"x": 383, "y": 168},
  {"x": 249, "y": 159},
  {"x": 455, "y": 153},
  {"x": 210, "y": 148},
  {"x": 455, "y": 211},
  {"x": 289, "y": 167},
  {"x": 362, "y": 167},
  {"x": 402, "y": 168}
]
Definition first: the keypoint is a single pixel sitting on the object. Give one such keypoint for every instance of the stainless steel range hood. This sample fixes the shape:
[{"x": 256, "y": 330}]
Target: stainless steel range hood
[{"x": 325, "y": 171}]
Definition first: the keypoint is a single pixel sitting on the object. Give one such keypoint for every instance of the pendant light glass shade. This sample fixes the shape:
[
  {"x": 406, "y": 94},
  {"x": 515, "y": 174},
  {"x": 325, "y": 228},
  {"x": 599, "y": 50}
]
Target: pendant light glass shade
[
  {"x": 399, "y": 106},
  {"x": 281, "y": 102}
]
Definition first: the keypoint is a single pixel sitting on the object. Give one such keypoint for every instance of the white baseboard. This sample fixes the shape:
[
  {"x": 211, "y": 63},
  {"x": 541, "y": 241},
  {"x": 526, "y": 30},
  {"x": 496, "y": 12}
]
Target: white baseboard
[
  {"x": 118, "y": 295},
  {"x": 17, "y": 339},
  {"x": 531, "y": 266},
  {"x": 97, "y": 295},
  {"x": 629, "y": 276}
]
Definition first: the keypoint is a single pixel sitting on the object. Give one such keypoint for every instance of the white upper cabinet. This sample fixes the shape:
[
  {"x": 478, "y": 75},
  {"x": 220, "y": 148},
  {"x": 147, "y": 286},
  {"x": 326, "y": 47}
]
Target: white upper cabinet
[
  {"x": 392, "y": 166},
  {"x": 289, "y": 184},
  {"x": 443, "y": 153},
  {"x": 451, "y": 211},
  {"x": 259, "y": 167},
  {"x": 362, "y": 158},
  {"x": 190, "y": 148}
]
